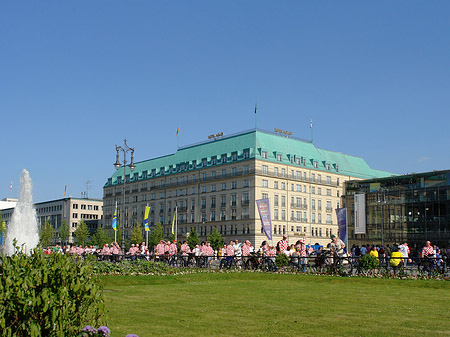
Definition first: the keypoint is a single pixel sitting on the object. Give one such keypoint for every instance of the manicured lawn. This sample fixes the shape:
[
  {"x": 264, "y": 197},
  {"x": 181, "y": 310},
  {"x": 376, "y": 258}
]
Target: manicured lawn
[{"x": 255, "y": 304}]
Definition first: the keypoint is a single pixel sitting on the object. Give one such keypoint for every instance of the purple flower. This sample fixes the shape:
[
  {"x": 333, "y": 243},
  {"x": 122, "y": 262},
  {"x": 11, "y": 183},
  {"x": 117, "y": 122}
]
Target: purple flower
[
  {"x": 104, "y": 330},
  {"x": 131, "y": 335}
]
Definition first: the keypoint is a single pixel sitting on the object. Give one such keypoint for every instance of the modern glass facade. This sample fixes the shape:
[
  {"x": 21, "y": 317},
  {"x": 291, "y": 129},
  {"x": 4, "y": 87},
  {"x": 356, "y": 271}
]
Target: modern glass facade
[{"x": 413, "y": 208}]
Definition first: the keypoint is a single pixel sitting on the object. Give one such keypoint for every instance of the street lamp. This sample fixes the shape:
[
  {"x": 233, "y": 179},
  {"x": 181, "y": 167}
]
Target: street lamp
[{"x": 124, "y": 148}]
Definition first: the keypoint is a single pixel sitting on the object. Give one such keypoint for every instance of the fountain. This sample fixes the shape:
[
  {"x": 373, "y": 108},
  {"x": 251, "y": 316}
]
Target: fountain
[{"x": 23, "y": 225}]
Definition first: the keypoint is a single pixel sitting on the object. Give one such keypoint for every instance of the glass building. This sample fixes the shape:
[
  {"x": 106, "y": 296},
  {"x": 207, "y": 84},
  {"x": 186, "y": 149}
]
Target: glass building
[{"x": 413, "y": 208}]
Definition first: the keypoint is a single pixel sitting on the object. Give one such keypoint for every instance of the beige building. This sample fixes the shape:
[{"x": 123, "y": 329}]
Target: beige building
[
  {"x": 70, "y": 210},
  {"x": 214, "y": 184}
]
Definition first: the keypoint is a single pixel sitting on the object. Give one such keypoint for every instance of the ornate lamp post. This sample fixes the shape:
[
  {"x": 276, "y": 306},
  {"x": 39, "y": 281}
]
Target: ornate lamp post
[{"x": 124, "y": 148}]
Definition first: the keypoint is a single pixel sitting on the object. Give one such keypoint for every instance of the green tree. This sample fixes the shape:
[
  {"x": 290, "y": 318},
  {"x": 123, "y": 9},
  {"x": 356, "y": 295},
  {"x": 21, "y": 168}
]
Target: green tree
[
  {"x": 64, "y": 232},
  {"x": 136, "y": 233},
  {"x": 82, "y": 233},
  {"x": 46, "y": 234},
  {"x": 193, "y": 239},
  {"x": 100, "y": 237},
  {"x": 155, "y": 236},
  {"x": 216, "y": 240}
]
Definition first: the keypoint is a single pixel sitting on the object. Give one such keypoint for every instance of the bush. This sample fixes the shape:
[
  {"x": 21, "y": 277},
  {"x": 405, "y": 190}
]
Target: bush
[
  {"x": 54, "y": 295},
  {"x": 282, "y": 260},
  {"x": 368, "y": 262}
]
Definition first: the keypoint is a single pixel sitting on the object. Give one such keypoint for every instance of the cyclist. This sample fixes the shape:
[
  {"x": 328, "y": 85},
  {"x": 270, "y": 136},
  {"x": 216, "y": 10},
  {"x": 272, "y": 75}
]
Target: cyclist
[{"x": 337, "y": 249}]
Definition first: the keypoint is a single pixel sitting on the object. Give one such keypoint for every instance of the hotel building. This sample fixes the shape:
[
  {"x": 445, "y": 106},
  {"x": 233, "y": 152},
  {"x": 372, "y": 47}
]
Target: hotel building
[{"x": 214, "y": 184}]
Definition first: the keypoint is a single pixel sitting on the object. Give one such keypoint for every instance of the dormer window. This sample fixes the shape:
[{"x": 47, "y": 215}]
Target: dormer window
[
  {"x": 316, "y": 164},
  {"x": 246, "y": 154},
  {"x": 194, "y": 164},
  {"x": 279, "y": 157},
  {"x": 204, "y": 162},
  {"x": 297, "y": 161},
  {"x": 264, "y": 154},
  {"x": 224, "y": 158},
  {"x": 213, "y": 160},
  {"x": 234, "y": 156}
]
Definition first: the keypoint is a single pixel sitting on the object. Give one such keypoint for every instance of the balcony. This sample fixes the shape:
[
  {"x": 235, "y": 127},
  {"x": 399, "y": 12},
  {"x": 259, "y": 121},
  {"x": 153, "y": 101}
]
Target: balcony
[
  {"x": 233, "y": 203},
  {"x": 329, "y": 209},
  {"x": 246, "y": 217},
  {"x": 204, "y": 206},
  {"x": 213, "y": 205},
  {"x": 245, "y": 202},
  {"x": 223, "y": 205}
]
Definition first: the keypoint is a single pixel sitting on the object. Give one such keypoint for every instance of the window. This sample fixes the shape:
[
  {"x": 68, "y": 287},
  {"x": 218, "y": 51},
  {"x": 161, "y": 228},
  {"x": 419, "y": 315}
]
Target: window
[
  {"x": 203, "y": 176},
  {"x": 75, "y": 206},
  {"x": 246, "y": 169},
  {"x": 279, "y": 157},
  {"x": 234, "y": 156},
  {"x": 313, "y": 203},
  {"x": 316, "y": 164},
  {"x": 319, "y": 190},
  {"x": 298, "y": 188},
  {"x": 247, "y": 154},
  {"x": 313, "y": 190},
  {"x": 313, "y": 177},
  {"x": 265, "y": 183},
  {"x": 224, "y": 173},
  {"x": 213, "y": 188},
  {"x": 265, "y": 169},
  {"x": 337, "y": 181},
  {"x": 213, "y": 160},
  {"x": 298, "y": 175},
  {"x": 283, "y": 214},
  {"x": 203, "y": 189},
  {"x": 319, "y": 178},
  {"x": 275, "y": 214},
  {"x": 264, "y": 154},
  {"x": 297, "y": 161},
  {"x": 234, "y": 171},
  {"x": 283, "y": 172},
  {"x": 313, "y": 217},
  {"x": 194, "y": 164},
  {"x": 328, "y": 180},
  {"x": 319, "y": 219},
  {"x": 275, "y": 184},
  {"x": 224, "y": 158},
  {"x": 224, "y": 186},
  {"x": 265, "y": 196},
  {"x": 275, "y": 171},
  {"x": 213, "y": 175},
  {"x": 283, "y": 186},
  {"x": 246, "y": 183},
  {"x": 283, "y": 201},
  {"x": 328, "y": 191},
  {"x": 319, "y": 205},
  {"x": 275, "y": 200},
  {"x": 233, "y": 184}
]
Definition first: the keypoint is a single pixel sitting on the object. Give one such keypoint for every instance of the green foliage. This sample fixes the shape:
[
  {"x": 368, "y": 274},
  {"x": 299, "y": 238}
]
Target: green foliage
[
  {"x": 100, "y": 237},
  {"x": 193, "y": 239},
  {"x": 136, "y": 234},
  {"x": 82, "y": 233},
  {"x": 155, "y": 236},
  {"x": 54, "y": 295},
  {"x": 2, "y": 225},
  {"x": 368, "y": 262},
  {"x": 46, "y": 234},
  {"x": 64, "y": 232},
  {"x": 282, "y": 260},
  {"x": 216, "y": 240}
]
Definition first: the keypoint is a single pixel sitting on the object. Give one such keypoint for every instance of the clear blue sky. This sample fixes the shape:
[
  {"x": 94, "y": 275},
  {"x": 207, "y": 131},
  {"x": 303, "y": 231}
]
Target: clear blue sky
[{"x": 77, "y": 77}]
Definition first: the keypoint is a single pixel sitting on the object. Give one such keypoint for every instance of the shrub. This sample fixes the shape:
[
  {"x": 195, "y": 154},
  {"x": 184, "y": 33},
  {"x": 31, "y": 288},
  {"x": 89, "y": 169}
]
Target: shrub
[
  {"x": 54, "y": 295},
  {"x": 282, "y": 260},
  {"x": 368, "y": 262}
]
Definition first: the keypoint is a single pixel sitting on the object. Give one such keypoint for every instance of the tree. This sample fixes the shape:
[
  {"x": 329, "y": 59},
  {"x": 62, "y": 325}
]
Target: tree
[
  {"x": 155, "y": 236},
  {"x": 100, "y": 237},
  {"x": 136, "y": 234},
  {"x": 193, "y": 239},
  {"x": 46, "y": 233},
  {"x": 216, "y": 240},
  {"x": 64, "y": 232},
  {"x": 82, "y": 234}
]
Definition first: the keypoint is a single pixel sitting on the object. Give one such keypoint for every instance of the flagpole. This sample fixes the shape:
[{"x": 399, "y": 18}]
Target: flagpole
[
  {"x": 255, "y": 116},
  {"x": 312, "y": 139},
  {"x": 115, "y": 229}
]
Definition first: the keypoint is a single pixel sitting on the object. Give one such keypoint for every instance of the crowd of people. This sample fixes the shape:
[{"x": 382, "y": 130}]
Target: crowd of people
[{"x": 397, "y": 254}]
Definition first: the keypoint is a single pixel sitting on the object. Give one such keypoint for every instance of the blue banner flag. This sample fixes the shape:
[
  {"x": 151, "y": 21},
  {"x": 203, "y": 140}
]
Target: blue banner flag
[
  {"x": 147, "y": 210},
  {"x": 264, "y": 214}
]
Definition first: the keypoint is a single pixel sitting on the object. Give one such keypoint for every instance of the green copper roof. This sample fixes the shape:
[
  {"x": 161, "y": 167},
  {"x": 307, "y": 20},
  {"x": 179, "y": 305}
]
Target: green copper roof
[{"x": 247, "y": 145}]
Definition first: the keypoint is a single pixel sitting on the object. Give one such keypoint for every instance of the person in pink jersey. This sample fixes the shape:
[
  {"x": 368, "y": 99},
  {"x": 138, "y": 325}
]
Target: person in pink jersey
[
  {"x": 282, "y": 245},
  {"x": 160, "y": 248},
  {"x": 173, "y": 248},
  {"x": 428, "y": 250}
]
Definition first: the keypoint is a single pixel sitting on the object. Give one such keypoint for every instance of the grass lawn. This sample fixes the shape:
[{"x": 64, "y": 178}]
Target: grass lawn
[{"x": 256, "y": 304}]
